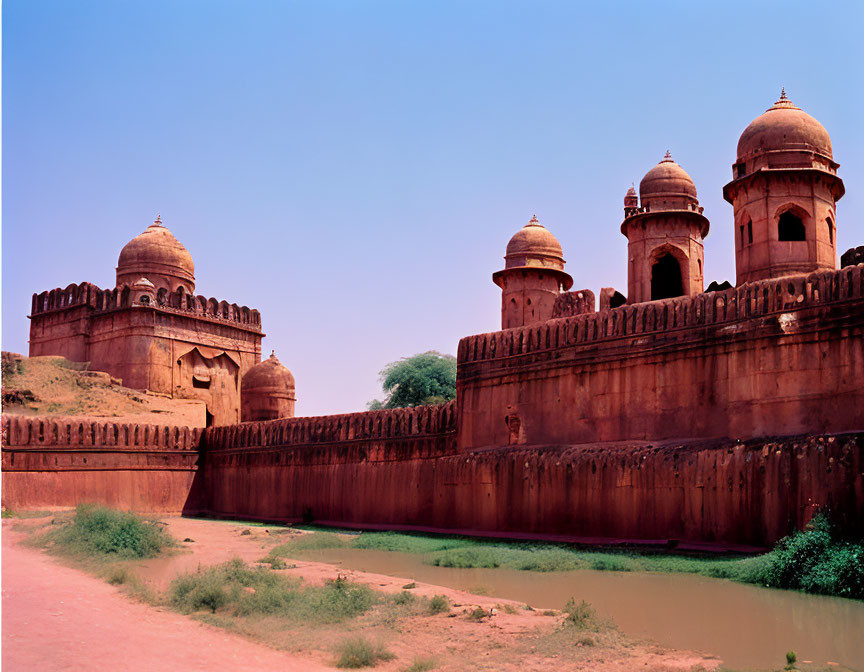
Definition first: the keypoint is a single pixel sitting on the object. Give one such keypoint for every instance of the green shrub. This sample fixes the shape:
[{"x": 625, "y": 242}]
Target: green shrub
[
  {"x": 101, "y": 531},
  {"x": 439, "y": 604},
  {"x": 404, "y": 598},
  {"x": 581, "y": 616},
  {"x": 278, "y": 563},
  {"x": 422, "y": 665},
  {"x": 814, "y": 560},
  {"x": 359, "y": 652},
  {"x": 791, "y": 658},
  {"x": 477, "y": 614}
]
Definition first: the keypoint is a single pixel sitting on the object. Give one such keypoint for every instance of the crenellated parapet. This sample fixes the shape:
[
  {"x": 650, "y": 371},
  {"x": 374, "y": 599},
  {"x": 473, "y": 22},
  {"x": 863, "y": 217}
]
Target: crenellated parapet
[
  {"x": 104, "y": 300},
  {"x": 747, "y": 301},
  {"x": 62, "y": 433},
  {"x": 51, "y": 462},
  {"x": 397, "y": 423}
]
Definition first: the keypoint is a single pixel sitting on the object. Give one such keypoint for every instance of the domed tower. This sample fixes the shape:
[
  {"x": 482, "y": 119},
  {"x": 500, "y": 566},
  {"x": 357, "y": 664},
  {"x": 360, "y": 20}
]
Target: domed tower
[
  {"x": 267, "y": 392},
  {"x": 532, "y": 278},
  {"x": 664, "y": 234},
  {"x": 158, "y": 256},
  {"x": 783, "y": 192}
]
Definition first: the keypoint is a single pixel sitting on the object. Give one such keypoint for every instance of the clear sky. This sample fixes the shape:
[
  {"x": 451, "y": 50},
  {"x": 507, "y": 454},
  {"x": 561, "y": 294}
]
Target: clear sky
[{"x": 354, "y": 169}]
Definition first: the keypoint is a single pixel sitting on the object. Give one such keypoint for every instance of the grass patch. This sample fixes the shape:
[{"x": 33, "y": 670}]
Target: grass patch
[
  {"x": 102, "y": 533},
  {"x": 477, "y": 614},
  {"x": 359, "y": 652},
  {"x": 422, "y": 665},
  {"x": 248, "y": 591},
  {"x": 309, "y": 542}
]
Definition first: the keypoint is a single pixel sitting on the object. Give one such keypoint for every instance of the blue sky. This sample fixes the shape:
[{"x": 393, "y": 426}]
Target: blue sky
[{"x": 354, "y": 170}]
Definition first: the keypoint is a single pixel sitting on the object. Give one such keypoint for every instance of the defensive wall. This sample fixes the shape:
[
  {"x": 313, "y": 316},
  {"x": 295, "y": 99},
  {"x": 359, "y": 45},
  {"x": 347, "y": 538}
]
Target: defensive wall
[
  {"x": 722, "y": 420},
  {"x": 769, "y": 358},
  {"x": 60, "y": 462}
]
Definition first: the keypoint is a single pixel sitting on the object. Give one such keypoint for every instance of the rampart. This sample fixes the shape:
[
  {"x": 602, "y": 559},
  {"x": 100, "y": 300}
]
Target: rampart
[
  {"x": 59, "y": 462},
  {"x": 771, "y": 358}
]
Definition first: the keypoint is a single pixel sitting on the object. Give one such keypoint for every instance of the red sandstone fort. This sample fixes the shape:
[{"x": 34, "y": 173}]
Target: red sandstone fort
[{"x": 723, "y": 418}]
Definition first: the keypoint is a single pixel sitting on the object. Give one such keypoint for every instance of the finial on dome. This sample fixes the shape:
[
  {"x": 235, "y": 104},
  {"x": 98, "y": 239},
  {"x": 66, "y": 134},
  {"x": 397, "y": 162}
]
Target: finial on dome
[
  {"x": 667, "y": 156},
  {"x": 273, "y": 353},
  {"x": 158, "y": 220},
  {"x": 534, "y": 219},
  {"x": 783, "y": 93}
]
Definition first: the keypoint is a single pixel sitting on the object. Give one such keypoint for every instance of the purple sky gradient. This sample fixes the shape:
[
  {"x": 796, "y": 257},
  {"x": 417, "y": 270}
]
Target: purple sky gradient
[{"x": 354, "y": 170}]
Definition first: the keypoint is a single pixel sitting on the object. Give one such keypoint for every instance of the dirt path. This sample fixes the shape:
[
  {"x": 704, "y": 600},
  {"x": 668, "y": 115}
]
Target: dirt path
[{"x": 56, "y": 618}]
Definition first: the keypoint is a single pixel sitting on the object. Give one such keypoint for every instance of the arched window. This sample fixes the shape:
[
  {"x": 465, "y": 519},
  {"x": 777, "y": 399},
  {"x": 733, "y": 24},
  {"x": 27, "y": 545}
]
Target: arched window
[
  {"x": 750, "y": 231},
  {"x": 666, "y": 278},
  {"x": 790, "y": 227},
  {"x": 830, "y": 230},
  {"x": 742, "y": 235}
]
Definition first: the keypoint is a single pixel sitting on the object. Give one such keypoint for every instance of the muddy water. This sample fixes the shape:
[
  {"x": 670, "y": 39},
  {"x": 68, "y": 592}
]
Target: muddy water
[{"x": 746, "y": 626}]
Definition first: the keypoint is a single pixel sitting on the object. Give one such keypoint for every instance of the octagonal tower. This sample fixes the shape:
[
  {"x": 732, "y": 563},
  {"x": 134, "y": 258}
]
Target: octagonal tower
[
  {"x": 664, "y": 234},
  {"x": 784, "y": 193},
  {"x": 532, "y": 278}
]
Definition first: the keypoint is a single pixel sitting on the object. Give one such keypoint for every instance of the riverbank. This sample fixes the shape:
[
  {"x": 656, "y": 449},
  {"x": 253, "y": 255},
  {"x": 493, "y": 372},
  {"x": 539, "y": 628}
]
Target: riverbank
[{"x": 473, "y": 632}]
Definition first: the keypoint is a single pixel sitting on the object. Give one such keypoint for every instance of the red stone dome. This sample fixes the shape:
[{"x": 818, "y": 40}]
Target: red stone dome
[
  {"x": 666, "y": 179},
  {"x": 784, "y": 126},
  {"x": 269, "y": 375},
  {"x": 534, "y": 245},
  {"x": 158, "y": 256}
]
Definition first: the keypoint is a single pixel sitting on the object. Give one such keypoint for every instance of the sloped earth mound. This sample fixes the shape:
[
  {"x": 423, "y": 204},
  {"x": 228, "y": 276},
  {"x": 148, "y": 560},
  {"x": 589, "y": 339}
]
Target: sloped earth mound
[{"x": 55, "y": 386}]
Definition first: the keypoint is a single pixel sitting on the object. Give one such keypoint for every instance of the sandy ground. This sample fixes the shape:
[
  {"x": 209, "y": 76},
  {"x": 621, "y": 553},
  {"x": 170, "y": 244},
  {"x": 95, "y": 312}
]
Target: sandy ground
[{"x": 57, "y": 618}]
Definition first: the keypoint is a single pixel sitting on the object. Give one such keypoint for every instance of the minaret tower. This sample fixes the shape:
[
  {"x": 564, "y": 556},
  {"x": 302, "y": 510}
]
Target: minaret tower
[
  {"x": 665, "y": 234},
  {"x": 532, "y": 278},
  {"x": 784, "y": 193}
]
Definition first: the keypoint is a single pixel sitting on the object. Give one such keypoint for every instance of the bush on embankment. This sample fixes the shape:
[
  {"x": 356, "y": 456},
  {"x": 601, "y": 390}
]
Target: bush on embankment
[
  {"x": 814, "y": 560},
  {"x": 247, "y": 591},
  {"x": 100, "y": 532}
]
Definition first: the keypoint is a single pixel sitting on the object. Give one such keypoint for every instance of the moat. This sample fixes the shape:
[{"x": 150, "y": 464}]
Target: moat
[{"x": 746, "y": 626}]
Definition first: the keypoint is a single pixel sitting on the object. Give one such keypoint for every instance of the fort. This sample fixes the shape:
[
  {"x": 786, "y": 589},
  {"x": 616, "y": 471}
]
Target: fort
[{"x": 671, "y": 415}]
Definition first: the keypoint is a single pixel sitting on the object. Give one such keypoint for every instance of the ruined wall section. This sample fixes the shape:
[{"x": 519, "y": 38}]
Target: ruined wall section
[
  {"x": 770, "y": 358},
  {"x": 61, "y": 462}
]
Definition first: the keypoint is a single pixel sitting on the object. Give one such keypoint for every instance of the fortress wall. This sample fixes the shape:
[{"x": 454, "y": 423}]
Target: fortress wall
[
  {"x": 59, "y": 462},
  {"x": 778, "y": 357},
  {"x": 715, "y": 494}
]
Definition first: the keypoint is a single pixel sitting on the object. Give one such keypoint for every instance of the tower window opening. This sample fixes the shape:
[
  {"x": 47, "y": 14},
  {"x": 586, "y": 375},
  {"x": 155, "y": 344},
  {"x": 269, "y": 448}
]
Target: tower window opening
[
  {"x": 749, "y": 231},
  {"x": 666, "y": 278},
  {"x": 830, "y": 230},
  {"x": 741, "y": 228},
  {"x": 790, "y": 227}
]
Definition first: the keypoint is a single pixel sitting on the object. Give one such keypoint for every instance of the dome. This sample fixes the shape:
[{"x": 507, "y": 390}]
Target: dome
[
  {"x": 784, "y": 126},
  {"x": 666, "y": 179},
  {"x": 157, "y": 255},
  {"x": 268, "y": 376},
  {"x": 533, "y": 245}
]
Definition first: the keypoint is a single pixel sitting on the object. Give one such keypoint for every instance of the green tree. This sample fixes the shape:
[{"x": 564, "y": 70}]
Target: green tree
[{"x": 424, "y": 379}]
